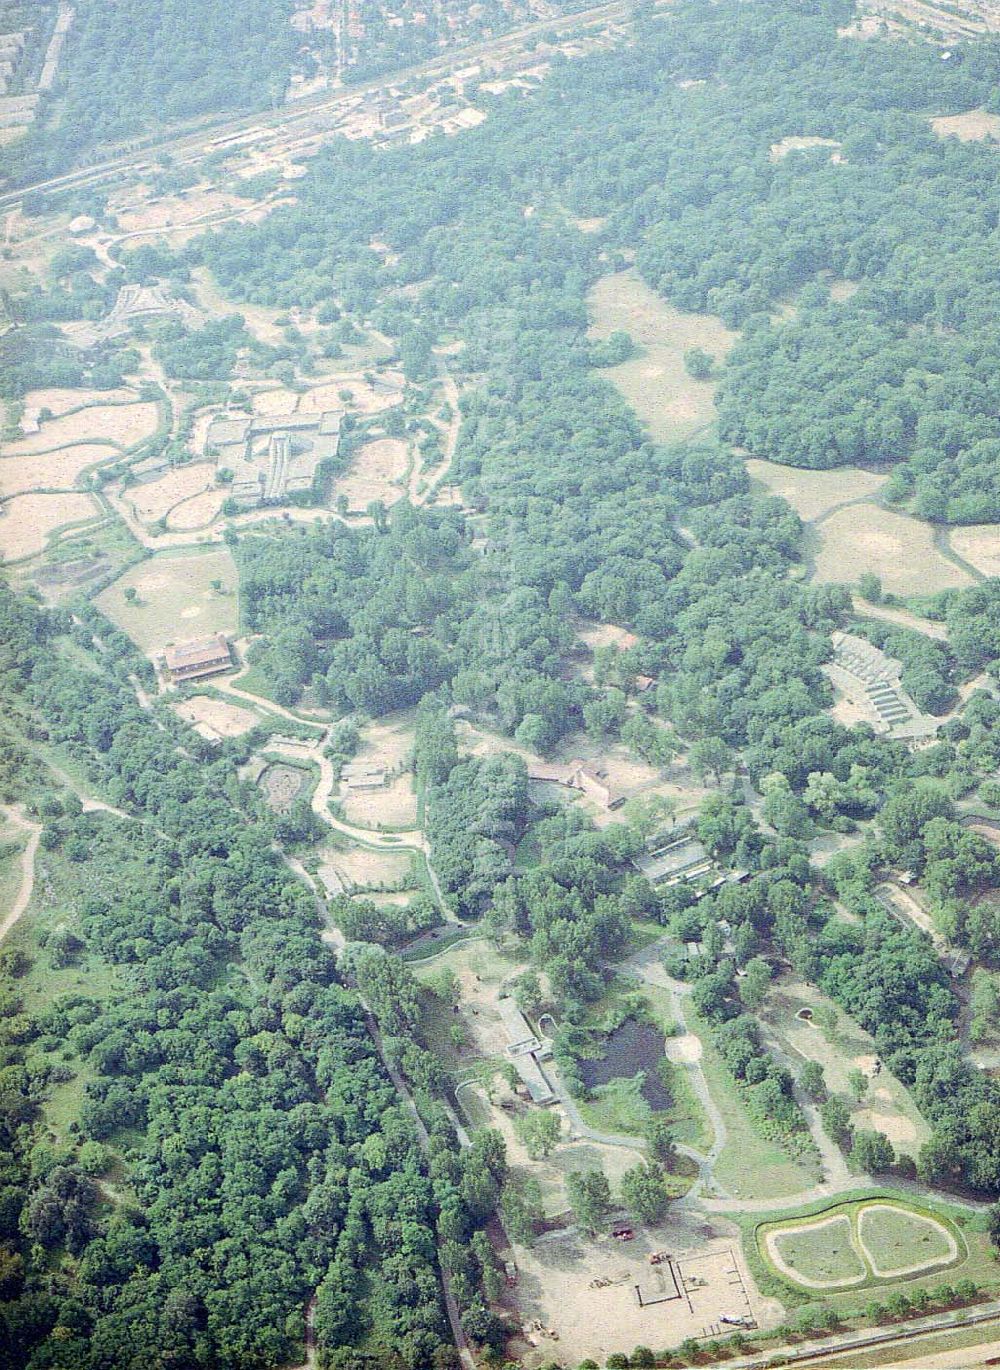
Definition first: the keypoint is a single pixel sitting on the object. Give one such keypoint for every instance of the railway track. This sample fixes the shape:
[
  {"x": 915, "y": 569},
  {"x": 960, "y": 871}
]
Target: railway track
[{"x": 235, "y": 132}]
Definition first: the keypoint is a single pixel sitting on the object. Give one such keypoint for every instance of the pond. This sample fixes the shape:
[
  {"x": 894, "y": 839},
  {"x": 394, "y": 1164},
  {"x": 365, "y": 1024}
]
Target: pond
[{"x": 632, "y": 1047}]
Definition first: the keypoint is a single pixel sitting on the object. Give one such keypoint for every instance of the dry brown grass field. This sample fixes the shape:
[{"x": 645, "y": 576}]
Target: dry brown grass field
[
  {"x": 176, "y": 601},
  {"x": 373, "y": 474},
  {"x": 50, "y": 470},
  {"x": 897, "y": 548},
  {"x": 122, "y": 424},
  {"x": 28, "y": 521},
  {"x": 153, "y": 499},
  {"x": 654, "y": 382},
  {"x": 979, "y": 546},
  {"x": 814, "y": 493},
  {"x": 200, "y": 511}
]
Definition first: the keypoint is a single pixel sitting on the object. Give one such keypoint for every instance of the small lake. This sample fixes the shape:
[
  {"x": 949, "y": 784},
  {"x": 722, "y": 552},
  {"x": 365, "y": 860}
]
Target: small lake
[{"x": 632, "y": 1047}]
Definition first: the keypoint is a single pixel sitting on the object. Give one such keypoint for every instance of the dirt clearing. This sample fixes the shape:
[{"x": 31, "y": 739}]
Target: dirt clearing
[
  {"x": 796, "y": 143},
  {"x": 392, "y": 807},
  {"x": 389, "y": 742},
  {"x": 373, "y": 474},
  {"x": 275, "y": 403},
  {"x": 501, "y": 1106},
  {"x": 363, "y": 398},
  {"x": 975, "y": 126},
  {"x": 216, "y": 715},
  {"x": 654, "y": 381},
  {"x": 886, "y": 1105},
  {"x": 898, "y": 549},
  {"x": 357, "y": 867},
  {"x": 813, "y": 493},
  {"x": 171, "y": 210},
  {"x": 686, "y": 1296},
  {"x": 27, "y": 521}
]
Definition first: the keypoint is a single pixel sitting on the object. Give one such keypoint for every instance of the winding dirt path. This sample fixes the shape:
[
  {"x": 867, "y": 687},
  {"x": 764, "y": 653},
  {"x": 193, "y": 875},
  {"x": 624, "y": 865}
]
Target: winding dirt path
[
  {"x": 23, "y": 896},
  {"x": 903, "y": 618}
]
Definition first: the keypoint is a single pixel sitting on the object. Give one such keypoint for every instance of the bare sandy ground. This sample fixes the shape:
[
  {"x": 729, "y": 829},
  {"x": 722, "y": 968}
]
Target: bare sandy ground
[
  {"x": 170, "y": 210},
  {"x": 27, "y": 521},
  {"x": 363, "y": 399},
  {"x": 275, "y": 402},
  {"x": 974, "y": 126},
  {"x": 554, "y": 1288},
  {"x": 388, "y": 742},
  {"x": 225, "y": 719},
  {"x": 393, "y": 807},
  {"x": 797, "y": 143}
]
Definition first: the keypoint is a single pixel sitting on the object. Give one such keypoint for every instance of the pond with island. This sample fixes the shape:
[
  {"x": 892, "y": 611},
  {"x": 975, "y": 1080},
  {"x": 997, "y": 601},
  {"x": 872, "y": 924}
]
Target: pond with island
[{"x": 630, "y": 1048}]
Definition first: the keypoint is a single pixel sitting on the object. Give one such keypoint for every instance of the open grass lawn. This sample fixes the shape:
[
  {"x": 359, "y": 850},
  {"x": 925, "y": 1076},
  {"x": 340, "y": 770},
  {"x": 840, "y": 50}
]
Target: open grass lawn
[
  {"x": 176, "y": 601},
  {"x": 749, "y": 1166},
  {"x": 822, "y": 1252},
  {"x": 957, "y": 1247},
  {"x": 897, "y": 1240},
  {"x": 654, "y": 381},
  {"x": 812, "y": 493}
]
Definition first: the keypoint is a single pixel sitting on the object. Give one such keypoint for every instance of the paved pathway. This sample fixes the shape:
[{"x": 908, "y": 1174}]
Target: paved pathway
[{"x": 684, "y": 1049}]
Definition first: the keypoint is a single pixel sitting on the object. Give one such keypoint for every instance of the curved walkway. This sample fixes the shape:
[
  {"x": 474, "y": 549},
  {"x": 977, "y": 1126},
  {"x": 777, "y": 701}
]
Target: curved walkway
[
  {"x": 23, "y": 896},
  {"x": 647, "y": 966}
]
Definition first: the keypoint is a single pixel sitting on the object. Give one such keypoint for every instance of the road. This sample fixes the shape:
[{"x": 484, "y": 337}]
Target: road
[
  {"x": 859, "y": 1341},
  {"x": 312, "y": 108}
]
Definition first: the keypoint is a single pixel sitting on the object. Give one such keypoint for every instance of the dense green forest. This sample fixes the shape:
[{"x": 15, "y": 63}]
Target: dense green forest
[
  {"x": 583, "y": 511},
  {"x": 130, "y": 68},
  {"x": 228, "y": 1068}
]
